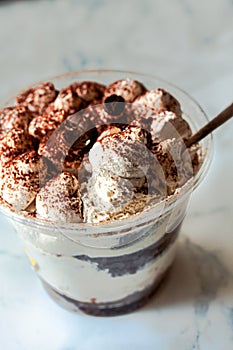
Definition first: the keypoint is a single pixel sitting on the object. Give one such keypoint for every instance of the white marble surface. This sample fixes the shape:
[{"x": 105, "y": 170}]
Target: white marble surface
[{"x": 189, "y": 43}]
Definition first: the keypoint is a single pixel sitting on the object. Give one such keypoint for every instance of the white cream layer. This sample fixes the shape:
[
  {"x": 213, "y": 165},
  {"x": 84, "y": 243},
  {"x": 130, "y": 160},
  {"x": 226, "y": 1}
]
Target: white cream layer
[{"x": 83, "y": 281}]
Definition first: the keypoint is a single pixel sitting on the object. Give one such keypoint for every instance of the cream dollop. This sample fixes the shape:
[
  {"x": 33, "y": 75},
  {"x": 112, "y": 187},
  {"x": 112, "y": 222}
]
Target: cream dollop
[
  {"x": 110, "y": 198},
  {"x": 59, "y": 200},
  {"x": 128, "y": 88},
  {"x": 124, "y": 154},
  {"x": 14, "y": 143},
  {"x": 36, "y": 99},
  {"x": 17, "y": 117},
  {"x": 158, "y": 100},
  {"x": 21, "y": 180},
  {"x": 68, "y": 100}
]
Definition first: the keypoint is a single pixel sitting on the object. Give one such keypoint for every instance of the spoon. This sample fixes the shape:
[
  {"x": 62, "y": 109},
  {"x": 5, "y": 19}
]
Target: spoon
[{"x": 213, "y": 124}]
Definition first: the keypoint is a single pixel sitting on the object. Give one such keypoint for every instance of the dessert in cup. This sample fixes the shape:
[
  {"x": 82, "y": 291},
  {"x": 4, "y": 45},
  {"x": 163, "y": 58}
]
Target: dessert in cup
[{"x": 95, "y": 176}]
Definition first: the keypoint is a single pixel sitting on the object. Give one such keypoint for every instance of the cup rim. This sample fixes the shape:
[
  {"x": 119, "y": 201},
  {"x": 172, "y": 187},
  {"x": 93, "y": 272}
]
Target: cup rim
[{"x": 120, "y": 224}]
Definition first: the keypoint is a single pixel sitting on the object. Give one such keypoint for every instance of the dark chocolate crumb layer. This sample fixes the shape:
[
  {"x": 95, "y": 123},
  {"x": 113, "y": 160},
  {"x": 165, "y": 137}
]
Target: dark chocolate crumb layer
[
  {"x": 120, "y": 307},
  {"x": 131, "y": 263}
]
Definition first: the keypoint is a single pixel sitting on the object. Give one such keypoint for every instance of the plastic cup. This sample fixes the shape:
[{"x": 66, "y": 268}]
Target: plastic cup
[{"x": 112, "y": 268}]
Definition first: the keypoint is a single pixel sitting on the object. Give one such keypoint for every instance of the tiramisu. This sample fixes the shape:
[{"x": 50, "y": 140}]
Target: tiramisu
[{"x": 92, "y": 155}]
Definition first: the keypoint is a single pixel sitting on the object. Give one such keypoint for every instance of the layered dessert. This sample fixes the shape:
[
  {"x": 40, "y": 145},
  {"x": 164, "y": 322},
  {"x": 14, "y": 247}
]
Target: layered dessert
[{"x": 80, "y": 167}]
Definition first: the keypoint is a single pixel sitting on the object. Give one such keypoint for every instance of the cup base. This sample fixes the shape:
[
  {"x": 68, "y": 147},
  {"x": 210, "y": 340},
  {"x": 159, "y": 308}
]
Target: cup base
[
  {"x": 120, "y": 307},
  {"x": 123, "y": 306}
]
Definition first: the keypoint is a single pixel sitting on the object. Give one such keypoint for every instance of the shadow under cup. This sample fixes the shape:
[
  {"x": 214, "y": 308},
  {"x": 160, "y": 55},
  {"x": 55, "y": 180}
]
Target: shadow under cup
[{"x": 112, "y": 268}]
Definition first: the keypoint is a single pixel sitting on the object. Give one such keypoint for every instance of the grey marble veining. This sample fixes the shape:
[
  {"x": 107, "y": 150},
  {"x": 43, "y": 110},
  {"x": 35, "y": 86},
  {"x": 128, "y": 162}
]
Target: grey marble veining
[{"x": 190, "y": 44}]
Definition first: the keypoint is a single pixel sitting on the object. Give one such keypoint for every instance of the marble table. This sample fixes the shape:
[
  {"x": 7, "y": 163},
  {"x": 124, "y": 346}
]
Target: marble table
[{"x": 187, "y": 43}]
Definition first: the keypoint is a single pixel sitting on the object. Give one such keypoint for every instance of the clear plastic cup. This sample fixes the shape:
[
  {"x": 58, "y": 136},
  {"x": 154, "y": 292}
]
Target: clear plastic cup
[{"x": 112, "y": 268}]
